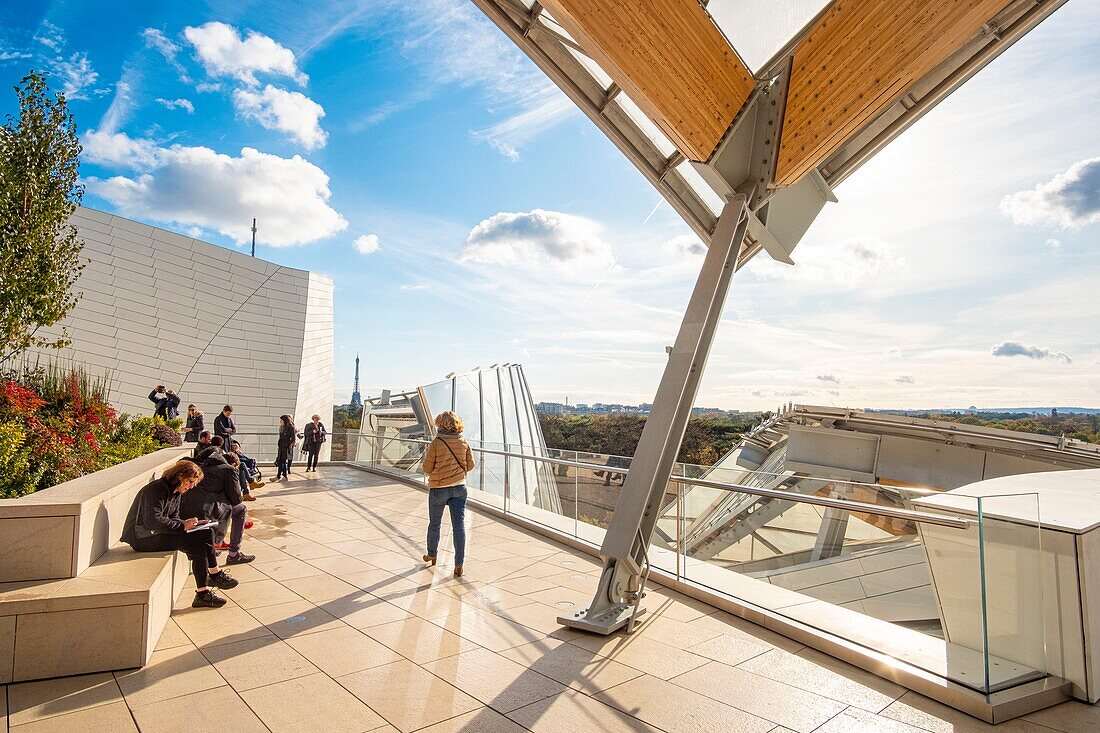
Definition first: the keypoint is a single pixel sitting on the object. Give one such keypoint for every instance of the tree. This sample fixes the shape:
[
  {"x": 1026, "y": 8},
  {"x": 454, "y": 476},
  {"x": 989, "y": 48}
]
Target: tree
[{"x": 39, "y": 191}]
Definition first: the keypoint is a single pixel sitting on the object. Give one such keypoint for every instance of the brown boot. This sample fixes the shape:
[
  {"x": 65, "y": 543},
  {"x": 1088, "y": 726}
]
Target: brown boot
[
  {"x": 430, "y": 559},
  {"x": 458, "y": 571}
]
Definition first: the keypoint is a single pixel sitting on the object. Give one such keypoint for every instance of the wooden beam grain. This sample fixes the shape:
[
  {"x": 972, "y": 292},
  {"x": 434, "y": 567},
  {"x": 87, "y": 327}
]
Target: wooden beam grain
[
  {"x": 670, "y": 58},
  {"x": 857, "y": 60}
]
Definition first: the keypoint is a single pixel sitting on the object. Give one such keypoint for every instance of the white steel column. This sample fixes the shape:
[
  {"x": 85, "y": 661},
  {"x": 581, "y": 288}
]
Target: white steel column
[{"x": 625, "y": 544}]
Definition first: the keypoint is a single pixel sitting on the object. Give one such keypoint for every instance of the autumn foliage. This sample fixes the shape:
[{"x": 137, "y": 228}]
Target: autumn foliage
[{"x": 56, "y": 424}]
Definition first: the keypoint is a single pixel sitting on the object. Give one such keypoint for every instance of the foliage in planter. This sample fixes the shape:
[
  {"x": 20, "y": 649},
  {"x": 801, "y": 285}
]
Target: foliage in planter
[
  {"x": 167, "y": 435},
  {"x": 56, "y": 425}
]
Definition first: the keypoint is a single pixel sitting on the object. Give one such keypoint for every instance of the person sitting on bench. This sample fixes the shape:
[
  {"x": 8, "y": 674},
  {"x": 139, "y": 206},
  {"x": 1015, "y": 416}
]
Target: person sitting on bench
[
  {"x": 154, "y": 525},
  {"x": 218, "y": 496}
]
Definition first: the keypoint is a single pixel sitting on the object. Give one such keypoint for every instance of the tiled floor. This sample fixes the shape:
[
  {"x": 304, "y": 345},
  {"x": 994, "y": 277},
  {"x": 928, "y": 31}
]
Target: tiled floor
[{"x": 338, "y": 627}]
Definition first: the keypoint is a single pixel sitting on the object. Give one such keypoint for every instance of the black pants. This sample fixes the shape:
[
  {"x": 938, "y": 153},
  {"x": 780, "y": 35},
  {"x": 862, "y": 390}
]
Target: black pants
[
  {"x": 198, "y": 546},
  {"x": 311, "y": 457}
]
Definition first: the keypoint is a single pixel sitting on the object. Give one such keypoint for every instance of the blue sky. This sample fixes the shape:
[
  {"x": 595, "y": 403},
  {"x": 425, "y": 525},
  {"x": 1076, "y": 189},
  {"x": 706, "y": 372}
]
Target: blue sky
[{"x": 469, "y": 216}]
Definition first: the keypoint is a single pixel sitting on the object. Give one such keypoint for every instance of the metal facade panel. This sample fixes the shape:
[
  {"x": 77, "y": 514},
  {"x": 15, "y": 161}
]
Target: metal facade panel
[
  {"x": 857, "y": 60},
  {"x": 670, "y": 58},
  {"x": 929, "y": 463},
  {"x": 844, "y": 450}
]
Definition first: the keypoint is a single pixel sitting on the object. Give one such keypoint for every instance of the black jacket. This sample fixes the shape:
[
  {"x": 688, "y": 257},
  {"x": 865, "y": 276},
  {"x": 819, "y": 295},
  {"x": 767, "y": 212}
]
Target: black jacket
[
  {"x": 167, "y": 406},
  {"x": 156, "y": 510},
  {"x": 314, "y": 435},
  {"x": 219, "y": 490},
  {"x": 225, "y": 427},
  {"x": 196, "y": 425},
  {"x": 286, "y": 441}
]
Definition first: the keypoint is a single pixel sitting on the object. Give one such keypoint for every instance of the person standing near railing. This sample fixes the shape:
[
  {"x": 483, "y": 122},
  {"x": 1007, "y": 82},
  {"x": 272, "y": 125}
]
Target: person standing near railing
[
  {"x": 313, "y": 435},
  {"x": 224, "y": 425},
  {"x": 287, "y": 439},
  {"x": 194, "y": 425},
  {"x": 446, "y": 463}
]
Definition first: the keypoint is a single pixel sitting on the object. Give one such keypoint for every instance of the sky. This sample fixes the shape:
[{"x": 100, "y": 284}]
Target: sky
[{"x": 469, "y": 215}]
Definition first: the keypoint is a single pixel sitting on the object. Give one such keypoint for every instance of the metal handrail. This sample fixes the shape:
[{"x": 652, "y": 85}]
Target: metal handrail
[{"x": 853, "y": 506}]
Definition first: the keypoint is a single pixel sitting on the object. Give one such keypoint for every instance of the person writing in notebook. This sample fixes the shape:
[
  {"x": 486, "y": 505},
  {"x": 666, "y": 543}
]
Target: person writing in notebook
[{"x": 153, "y": 524}]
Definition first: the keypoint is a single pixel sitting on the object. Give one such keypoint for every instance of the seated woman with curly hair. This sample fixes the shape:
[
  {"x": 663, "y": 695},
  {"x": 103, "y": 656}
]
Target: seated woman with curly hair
[{"x": 154, "y": 525}]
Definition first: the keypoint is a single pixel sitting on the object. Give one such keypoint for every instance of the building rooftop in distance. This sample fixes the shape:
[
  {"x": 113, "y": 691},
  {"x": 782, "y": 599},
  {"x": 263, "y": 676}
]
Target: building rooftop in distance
[{"x": 338, "y": 627}]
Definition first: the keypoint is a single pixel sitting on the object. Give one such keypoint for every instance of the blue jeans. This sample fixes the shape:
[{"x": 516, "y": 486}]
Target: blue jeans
[{"x": 438, "y": 499}]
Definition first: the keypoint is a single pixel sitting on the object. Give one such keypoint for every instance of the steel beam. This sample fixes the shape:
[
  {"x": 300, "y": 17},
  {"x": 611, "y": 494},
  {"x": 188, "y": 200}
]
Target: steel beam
[{"x": 639, "y": 506}]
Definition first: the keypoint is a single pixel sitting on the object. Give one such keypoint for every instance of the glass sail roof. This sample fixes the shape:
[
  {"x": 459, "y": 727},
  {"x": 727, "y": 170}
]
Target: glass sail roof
[{"x": 758, "y": 29}]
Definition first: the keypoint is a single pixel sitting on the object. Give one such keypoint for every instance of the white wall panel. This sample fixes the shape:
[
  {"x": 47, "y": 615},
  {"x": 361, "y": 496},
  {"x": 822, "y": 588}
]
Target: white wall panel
[{"x": 216, "y": 325}]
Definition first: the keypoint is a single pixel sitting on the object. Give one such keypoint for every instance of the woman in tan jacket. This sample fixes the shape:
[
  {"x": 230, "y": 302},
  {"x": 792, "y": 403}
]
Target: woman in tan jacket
[{"x": 446, "y": 463}]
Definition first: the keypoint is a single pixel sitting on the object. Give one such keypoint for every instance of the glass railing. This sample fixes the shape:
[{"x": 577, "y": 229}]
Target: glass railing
[{"x": 948, "y": 583}]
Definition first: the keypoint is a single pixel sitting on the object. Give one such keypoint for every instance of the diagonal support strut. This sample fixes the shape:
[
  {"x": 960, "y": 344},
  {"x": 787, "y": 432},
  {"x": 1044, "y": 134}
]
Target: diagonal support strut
[{"x": 618, "y": 596}]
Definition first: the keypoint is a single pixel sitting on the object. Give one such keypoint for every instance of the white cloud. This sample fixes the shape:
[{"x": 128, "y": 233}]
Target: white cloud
[
  {"x": 453, "y": 44},
  {"x": 278, "y": 109},
  {"x": 12, "y": 54},
  {"x": 905, "y": 379},
  {"x": 848, "y": 263},
  {"x": 1070, "y": 200},
  {"x": 50, "y": 36},
  {"x": 184, "y": 104},
  {"x": 1015, "y": 348},
  {"x": 75, "y": 73},
  {"x": 415, "y": 287},
  {"x": 509, "y": 135},
  {"x": 1054, "y": 243},
  {"x": 119, "y": 150},
  {"x": 830, "y": 378},
  {"x": 367, "y": 244},
  {"x": 123, "y": 103},
  {"x": 168, "y": 48},
  {"x": 536, "y": 238},
  {"x": 686, "y": 244},
  {"x": 196, "y": 186},
  {"x": 222, "y": 52}
]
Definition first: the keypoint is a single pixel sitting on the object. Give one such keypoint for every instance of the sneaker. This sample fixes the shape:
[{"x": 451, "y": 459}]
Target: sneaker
[
  {"x": 239, "y": 559},
  {"x": 256, "y": 484},
  {"x": 221, "y": 546},
  {"x": 249, "y": 497},
  {"x": 223, "y": 580},
  {"x": 207, "y": 599}
]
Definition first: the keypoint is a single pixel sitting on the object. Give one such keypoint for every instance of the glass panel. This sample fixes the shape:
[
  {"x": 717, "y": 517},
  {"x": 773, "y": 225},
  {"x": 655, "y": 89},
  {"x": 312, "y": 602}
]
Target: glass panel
[
  {"x": 439, "y": 396},
  {"x": 757, "y": 29},
  {"x": 517, "y": 490},
  {"x": 554, "y": 25},
  {"x": 492, "y": 431},
  {"x": 646, "y": 125},
  {"x": 1012, "y": 570},
  {"x": 707, "y": 194},
  {"x": 592, "y": 68},
  {"x": 468, "y": 407}
]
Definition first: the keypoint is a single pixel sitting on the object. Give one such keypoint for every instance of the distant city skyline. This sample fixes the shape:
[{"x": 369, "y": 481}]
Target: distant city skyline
[{"x": 469, "y": 215}]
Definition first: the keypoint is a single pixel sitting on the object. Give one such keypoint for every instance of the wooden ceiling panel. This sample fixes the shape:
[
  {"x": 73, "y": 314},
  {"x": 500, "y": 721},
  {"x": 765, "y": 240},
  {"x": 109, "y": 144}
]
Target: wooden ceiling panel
[
  {"x": 670, "y": 58},
  {"x": 857, "y": 60}
]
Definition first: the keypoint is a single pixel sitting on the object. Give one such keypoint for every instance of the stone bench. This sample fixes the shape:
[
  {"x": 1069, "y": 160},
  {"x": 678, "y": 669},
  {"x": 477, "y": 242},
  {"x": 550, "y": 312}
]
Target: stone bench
[{"x": 72, "y": 600}]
